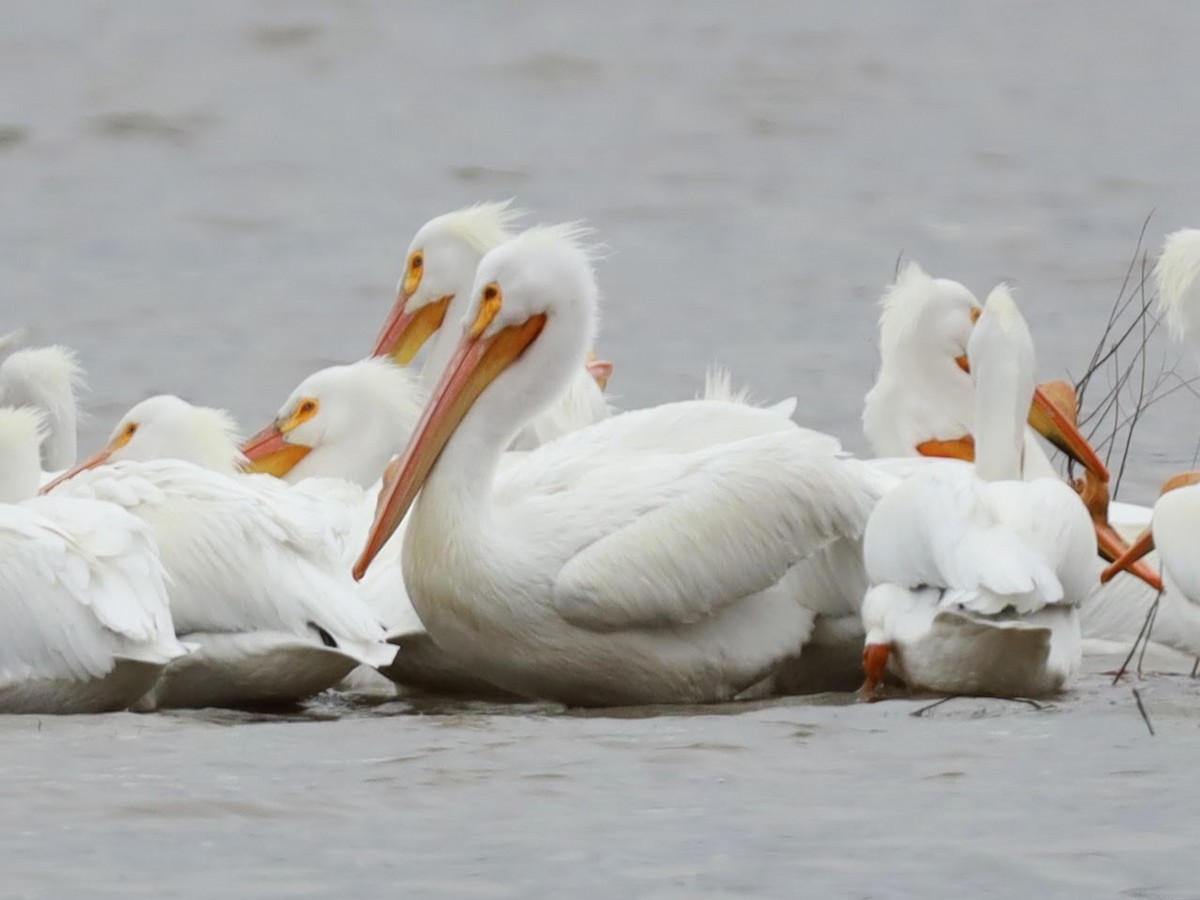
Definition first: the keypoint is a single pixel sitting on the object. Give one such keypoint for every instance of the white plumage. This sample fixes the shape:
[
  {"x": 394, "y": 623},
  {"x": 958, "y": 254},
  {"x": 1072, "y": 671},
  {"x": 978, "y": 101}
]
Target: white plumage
[
  {"x": 923, "y": 401},
  {"x": 653, "y": 557},
  {"x": 435, "y": 288},
  {"x": 46, "y": 379},
  {"x": 976, "y": 575},
  {"x": 87, "y": 627},
  {"x": 258, "y": 578},
  {"x": 1176, "y": 514},
  {"x": 347, "y": 422}
]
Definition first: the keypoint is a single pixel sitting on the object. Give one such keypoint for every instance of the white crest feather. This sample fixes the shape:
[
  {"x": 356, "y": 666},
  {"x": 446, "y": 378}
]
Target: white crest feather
[
  {"x": 1176, "y": 275},
  {"x": 482, "y": 226},
  {"x": 901, "y": 305},
  {"x": 53, "y": 371},
  {"x": 11, "y": 340},
  {"x": 574, "y": 234}
]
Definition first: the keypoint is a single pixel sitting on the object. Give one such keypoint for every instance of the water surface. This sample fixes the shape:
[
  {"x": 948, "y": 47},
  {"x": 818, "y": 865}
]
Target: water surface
[{"x": 214, "y": 200}]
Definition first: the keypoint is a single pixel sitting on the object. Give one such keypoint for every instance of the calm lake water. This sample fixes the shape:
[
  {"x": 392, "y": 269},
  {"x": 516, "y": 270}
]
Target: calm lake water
[{"x": 214, "y": 200}]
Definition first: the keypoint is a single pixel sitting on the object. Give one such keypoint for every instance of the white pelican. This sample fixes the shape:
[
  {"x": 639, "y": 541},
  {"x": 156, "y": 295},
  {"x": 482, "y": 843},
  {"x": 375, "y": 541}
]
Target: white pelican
[
  {"x": 46, "y": 379},
  {"x": 86, "y": 627},
  {"x": 348, "y": 422},
  {"x": 1176, "y": 515},
  {"x": 923, "y": 402},
  {"x": 341, "y": 422},
  {"x": 257, "y": 576},
  {"x": 656, "y": 556},
  {"x": 435, "y": 287},
  {"x": 976, "y": 575}
]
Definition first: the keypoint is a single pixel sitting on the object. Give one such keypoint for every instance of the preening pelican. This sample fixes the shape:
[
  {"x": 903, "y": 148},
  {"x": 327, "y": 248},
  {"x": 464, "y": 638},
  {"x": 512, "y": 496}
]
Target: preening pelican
[
  {"x": 1176, "y": 516},
  {"x": 46, "y": 379},
  {"x": 977, "y": 575},
  {"x": 435, "y": 288},
  {"x": 923, "y": 401},
  {"x": 257, "y": 576},
  {"x": 656, "y": 556},
  {"x": 87, "y": 627}
]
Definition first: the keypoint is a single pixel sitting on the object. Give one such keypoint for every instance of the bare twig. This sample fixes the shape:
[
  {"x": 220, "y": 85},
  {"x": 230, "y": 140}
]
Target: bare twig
[
  {"x": 924, "y": 709},
  {"x": 1142, "y": 709}
]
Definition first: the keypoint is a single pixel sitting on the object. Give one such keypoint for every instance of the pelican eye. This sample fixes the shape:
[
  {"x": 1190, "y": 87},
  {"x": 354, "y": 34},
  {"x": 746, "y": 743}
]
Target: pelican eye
[
  {"x": 491, "y": 298},
  {"x": 412, "y": 277},
  {"x": 123, "y": 438}
]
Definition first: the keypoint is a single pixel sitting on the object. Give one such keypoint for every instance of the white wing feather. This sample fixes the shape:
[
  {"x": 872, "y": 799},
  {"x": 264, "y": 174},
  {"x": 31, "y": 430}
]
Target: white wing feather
[
  {"x": 945, "y": 528},
  {"x": 719, "y": 525},
  {"x": 80, "y": 586},
  {"x": 243, "y": 554}
]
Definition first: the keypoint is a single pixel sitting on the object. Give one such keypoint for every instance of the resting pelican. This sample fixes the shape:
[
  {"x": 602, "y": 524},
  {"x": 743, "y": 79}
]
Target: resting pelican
[
  {"x": 1176, "y": 515},
  {"x": 257, "y": 577},
  {"x": 46, "y": 379},
  {"x": 348, "y": 422},
  {"x": 435, "y": 287},
  {"x": 923, "y": 402},
  {"x": 87, "y": 627},
  {"x": 976, "y": 575},
  {"x": 652, "y": 557}
]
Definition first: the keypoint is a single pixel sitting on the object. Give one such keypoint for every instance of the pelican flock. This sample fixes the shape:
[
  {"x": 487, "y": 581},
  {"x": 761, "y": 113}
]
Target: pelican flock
[{"x": 491, "y": 526}]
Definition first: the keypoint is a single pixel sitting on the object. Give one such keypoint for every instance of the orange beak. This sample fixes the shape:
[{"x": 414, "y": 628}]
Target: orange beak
[
  {"x": 269, "y": 452},
  {"x": 405, "y": 333},
  {"x": 96, "y": 460},
  {"x": 1050, "y": 416},
  {"x": 476, "y": 363},
  {"x": 1129, "y": 560},
  {"x": 1130, "y": 557}
]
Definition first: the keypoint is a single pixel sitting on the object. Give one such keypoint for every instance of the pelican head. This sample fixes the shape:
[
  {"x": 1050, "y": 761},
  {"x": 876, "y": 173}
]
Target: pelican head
[
  {"x": 439, "y": 266},
  {"x": 46, "y": 378},
  {"x": 22, "y": 430},
  {"x": 166, "y": 427},
  {"x": 1176, "y": 275},
  {"x": 531, "y": 318},
  {"x": 923, "y": 391},
  {"x": 343, "y": 421},
  {"x": 926, "y": 321}
]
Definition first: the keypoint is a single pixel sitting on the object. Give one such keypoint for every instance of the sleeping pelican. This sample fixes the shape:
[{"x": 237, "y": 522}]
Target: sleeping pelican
[
  {"x": 977, "y": 575},
  {"x": 1176, "y": 515},
  {"x": 46, "y": 379},
  {"x": 657, "y": 556},
  {"x": 257, "y": 577},
  {"x": 435, "y": 287},
  {"x": 87, "y": 627}
]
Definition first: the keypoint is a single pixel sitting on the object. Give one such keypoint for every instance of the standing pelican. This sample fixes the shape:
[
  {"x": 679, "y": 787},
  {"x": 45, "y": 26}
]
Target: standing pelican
[
  {"x": 435, "y": 288},
  {"x": 1176, "y": 515},
  {"x": 976, "y": 575},
  {"x": 606, "y": 567},
  {"x": 257, "y": 575},
  {"x": 87, "y": 627}
]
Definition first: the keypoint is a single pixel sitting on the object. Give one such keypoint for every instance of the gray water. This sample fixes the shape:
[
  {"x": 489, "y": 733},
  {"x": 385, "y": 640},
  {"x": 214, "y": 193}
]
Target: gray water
[{"x": 214, "y": 199}]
